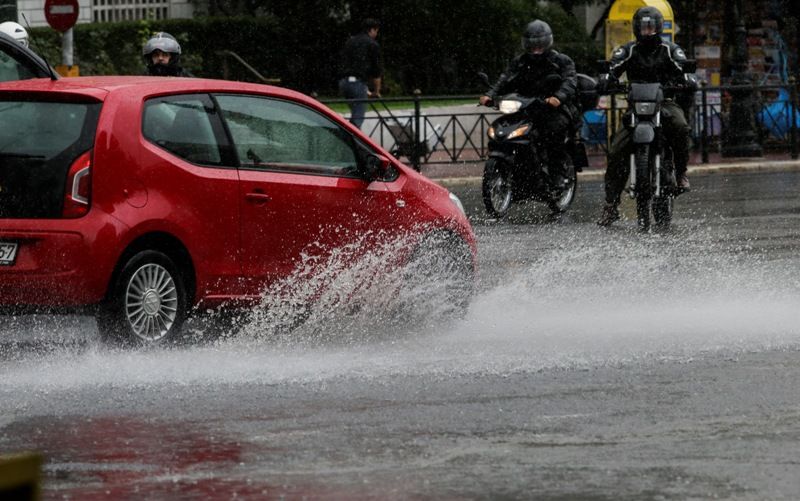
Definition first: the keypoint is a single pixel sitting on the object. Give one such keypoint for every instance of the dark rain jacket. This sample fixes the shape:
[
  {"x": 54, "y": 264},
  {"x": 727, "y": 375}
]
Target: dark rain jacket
[
  {"x": 526, "y": 75},
  {"x": 662, "y": 63}
]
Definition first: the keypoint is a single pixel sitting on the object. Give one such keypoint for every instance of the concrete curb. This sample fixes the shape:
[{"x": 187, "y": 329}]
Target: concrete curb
[{"x": 696, "y": 170}]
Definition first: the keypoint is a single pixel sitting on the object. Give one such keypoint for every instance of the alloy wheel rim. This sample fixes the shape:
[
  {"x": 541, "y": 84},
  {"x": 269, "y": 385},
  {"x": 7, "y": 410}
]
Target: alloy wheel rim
[{"x": 151, "y": 302}]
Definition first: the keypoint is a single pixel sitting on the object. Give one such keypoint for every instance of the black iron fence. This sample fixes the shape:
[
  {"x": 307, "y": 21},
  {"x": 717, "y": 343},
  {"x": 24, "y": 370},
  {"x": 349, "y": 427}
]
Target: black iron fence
[{"x": 452, "y": 129}]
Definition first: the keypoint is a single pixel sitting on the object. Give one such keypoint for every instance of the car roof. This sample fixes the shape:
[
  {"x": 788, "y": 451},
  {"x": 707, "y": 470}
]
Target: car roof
[{"x": 144, "y": 86}]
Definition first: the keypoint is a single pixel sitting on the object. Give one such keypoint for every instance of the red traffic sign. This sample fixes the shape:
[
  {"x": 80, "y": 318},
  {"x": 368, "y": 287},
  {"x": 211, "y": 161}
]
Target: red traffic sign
[{"x": 61, "y": 14}]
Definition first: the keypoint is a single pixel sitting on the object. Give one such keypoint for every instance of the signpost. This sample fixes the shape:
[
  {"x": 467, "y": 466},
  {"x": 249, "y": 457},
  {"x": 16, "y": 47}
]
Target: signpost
[{"x": 61, "y": 15}]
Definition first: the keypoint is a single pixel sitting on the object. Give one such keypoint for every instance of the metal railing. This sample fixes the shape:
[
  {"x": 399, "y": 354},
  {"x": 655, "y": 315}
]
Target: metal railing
[
  {"x": 225, "y": 54},
  {"x": 441, "y": 132}
]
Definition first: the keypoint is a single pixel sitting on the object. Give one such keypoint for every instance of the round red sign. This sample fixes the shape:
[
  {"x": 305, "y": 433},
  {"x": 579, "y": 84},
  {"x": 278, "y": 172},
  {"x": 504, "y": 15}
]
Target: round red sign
[{"x": 61, "y": 14}]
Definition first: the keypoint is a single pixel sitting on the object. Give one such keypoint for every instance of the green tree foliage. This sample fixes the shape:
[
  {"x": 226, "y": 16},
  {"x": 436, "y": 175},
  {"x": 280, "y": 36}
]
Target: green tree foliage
[{"x": 436, "y": 46}]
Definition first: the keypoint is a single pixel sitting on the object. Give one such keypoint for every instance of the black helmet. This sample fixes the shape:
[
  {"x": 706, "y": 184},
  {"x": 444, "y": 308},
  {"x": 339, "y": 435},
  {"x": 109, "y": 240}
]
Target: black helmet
[
  {"x": 538, "y": 35},
  {"x": 648, "y": 17},
  {"x": 165, "y": 43}
]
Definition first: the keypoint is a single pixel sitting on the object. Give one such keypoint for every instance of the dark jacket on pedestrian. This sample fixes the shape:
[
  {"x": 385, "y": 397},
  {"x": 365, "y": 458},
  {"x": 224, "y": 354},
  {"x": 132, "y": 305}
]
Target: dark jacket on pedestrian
[
  {"x": 527, "y": 75},
  {"x": 361, "y": 58}
]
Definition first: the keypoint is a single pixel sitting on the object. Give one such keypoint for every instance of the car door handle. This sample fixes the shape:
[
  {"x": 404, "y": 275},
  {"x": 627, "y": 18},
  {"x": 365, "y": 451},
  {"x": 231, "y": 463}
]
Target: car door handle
[{"x": 258, "y": 197}]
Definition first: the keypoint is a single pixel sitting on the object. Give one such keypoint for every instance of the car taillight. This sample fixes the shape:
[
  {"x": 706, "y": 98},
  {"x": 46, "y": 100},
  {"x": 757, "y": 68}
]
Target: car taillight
[{"x": 79, "y": 187}]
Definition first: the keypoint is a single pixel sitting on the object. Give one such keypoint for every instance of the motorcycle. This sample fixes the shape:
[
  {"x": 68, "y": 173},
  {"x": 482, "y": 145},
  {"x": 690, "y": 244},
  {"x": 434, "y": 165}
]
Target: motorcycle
[
  {"x": 517, "y": 168},
  {"x": 652, "y": 182}
]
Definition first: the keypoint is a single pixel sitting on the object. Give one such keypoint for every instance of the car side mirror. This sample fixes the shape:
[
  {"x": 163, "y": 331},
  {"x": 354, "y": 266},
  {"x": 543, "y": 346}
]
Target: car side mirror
[{"x": 375, "y": 167}]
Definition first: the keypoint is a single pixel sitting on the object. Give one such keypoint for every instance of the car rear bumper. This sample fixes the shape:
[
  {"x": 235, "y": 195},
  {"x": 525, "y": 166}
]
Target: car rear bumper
[{"x": 59, "y": 263}]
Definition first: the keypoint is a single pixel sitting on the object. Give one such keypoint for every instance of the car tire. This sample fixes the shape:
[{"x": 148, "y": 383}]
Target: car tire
[
  {"x": 441, "y": 270},
  {"x": 147, "y": 303}
]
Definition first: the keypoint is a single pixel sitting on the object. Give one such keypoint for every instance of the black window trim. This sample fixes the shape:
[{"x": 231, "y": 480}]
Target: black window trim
[{"x": 227, "y": 154}]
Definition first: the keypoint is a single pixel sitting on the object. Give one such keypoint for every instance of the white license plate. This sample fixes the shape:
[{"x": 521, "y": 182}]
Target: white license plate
[{"x": 8, "y": 253}]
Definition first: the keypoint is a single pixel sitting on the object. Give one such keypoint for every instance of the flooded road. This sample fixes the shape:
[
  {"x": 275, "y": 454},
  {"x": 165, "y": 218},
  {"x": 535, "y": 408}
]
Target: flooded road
[{"x": 593, "y": 363}]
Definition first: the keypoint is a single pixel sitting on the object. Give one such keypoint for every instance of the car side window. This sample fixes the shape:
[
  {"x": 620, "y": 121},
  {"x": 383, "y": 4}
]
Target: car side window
[
  {"x": 273, "y": 134},
  {"x": 184, "y": 126}
]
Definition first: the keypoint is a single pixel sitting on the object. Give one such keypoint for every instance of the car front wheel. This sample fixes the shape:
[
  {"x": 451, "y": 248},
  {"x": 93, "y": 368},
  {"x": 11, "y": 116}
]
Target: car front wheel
[{"x": 147, "y": 304}]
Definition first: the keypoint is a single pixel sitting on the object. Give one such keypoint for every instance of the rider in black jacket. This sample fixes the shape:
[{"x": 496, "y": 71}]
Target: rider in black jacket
[
  {"x": 527, "y": 73},
  {"x": 649, "y": 59}
]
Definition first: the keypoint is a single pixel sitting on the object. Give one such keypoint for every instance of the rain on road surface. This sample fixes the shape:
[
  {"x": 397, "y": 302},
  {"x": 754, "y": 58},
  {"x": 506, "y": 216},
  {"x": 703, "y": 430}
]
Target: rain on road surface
[{"x": 601, "y": 364}]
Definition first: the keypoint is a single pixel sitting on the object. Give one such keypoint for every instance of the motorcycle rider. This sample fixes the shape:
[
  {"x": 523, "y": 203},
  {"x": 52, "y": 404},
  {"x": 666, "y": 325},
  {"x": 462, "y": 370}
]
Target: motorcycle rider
[
  {"x": 15, "y": 31},
  {"x": 162, "y": 56},
  {"x": 526, "y": 74},
  {"x": 648, "y": 59}
]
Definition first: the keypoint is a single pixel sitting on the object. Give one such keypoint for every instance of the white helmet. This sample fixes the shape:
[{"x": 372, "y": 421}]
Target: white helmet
[{"x": 15, "y": 31}]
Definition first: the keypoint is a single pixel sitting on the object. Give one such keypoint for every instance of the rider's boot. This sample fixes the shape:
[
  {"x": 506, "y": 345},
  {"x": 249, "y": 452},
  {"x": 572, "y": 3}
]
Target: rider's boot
[
  {"x": 683, "y": 182},
  {"x": 609, "y": 215}
]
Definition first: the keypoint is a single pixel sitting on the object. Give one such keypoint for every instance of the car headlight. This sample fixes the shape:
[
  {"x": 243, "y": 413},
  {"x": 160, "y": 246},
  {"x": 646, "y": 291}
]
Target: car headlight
[
  {"x": 509, "y": 106},
  {"x": 457, "y": 203}
]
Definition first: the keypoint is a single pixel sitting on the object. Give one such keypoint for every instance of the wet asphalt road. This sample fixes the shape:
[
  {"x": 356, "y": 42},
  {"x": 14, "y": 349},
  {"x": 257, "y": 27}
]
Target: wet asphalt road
[{"x": 593, "y": 364}]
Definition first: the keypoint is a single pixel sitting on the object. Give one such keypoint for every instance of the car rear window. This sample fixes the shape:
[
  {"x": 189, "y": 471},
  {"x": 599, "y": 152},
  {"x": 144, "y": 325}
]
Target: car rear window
[{"x": 39, "y": 141}]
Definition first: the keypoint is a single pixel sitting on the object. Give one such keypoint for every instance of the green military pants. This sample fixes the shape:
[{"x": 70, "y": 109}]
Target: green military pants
[{"x": 676, "y": 132}]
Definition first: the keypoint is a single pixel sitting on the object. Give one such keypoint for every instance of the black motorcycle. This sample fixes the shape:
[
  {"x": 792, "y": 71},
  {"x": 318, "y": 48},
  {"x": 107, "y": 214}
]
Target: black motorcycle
[
  {"x": 517, "y": 168},
  {"x": 652, "y": 180}
]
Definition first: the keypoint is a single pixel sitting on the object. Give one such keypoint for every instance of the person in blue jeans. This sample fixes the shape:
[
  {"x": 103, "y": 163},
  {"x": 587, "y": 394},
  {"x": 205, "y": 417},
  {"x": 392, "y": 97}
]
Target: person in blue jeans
[{"x": 361, "y": 70}]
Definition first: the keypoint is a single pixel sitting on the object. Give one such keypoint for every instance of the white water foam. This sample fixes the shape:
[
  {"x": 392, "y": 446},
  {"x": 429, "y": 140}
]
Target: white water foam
[{"x": 586, "y": 302}]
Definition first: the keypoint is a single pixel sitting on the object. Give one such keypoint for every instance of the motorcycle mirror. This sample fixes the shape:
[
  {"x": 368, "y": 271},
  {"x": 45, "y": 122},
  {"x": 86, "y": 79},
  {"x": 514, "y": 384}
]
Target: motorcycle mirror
[{"x": 484, "y": 78}]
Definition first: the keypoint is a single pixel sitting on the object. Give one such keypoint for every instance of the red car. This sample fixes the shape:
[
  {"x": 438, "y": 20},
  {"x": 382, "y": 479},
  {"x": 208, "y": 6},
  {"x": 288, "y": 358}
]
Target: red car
[{"x": 145, "y": 197}]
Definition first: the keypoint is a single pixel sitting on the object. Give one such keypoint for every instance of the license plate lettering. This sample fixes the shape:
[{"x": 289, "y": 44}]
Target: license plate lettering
[{"x": 8, "y": 252}]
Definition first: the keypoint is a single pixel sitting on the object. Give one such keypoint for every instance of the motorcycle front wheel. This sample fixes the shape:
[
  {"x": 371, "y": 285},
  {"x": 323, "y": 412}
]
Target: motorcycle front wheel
[
  {"x": 560, "y": 204},
  {"x": 644, "y": 192},
  {"x": 497, "y": 186},
  {"x": 662, "y": 211}
]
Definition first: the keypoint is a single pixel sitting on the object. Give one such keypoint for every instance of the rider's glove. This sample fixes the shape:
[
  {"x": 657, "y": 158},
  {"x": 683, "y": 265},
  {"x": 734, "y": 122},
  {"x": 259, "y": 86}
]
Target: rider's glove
[{"x": 605, "y": 83}]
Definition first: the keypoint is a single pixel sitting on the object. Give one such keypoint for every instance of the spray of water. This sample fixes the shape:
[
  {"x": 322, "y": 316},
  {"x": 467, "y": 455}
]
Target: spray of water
[{"x": 587, "y": 299}]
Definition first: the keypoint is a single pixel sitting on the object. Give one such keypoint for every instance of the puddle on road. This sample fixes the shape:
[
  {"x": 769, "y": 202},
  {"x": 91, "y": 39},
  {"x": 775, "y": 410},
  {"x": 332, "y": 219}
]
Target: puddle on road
[{"x": 589, "y": 300}]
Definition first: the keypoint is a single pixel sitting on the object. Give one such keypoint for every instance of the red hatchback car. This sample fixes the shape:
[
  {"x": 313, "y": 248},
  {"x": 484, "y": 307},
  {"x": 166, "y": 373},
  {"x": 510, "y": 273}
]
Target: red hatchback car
[{"x": 144, "y": 197}]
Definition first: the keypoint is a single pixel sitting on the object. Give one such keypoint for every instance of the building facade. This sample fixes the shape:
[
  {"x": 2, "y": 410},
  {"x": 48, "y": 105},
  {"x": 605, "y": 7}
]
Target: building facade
[{"x": 99, "y": 11}]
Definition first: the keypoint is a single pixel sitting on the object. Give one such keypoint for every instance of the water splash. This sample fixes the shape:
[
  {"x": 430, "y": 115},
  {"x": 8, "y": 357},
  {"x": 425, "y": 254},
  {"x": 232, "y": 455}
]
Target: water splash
[{"x": 584, "y": 299}]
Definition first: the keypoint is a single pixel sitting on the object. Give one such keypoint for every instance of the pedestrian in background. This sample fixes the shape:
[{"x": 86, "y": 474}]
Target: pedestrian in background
[{"x": 361, "y": 70}]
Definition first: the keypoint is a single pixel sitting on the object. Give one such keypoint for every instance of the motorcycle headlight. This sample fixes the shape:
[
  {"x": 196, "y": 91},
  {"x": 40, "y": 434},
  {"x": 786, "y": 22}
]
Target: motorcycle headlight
[
  {"x": 645, "y": 108},
  {"x": 457, "y": 203},
  {"x": 490, "y": 132},
  {"x": 509, "y": 106},
  {"x": 519, "y": 131}
]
